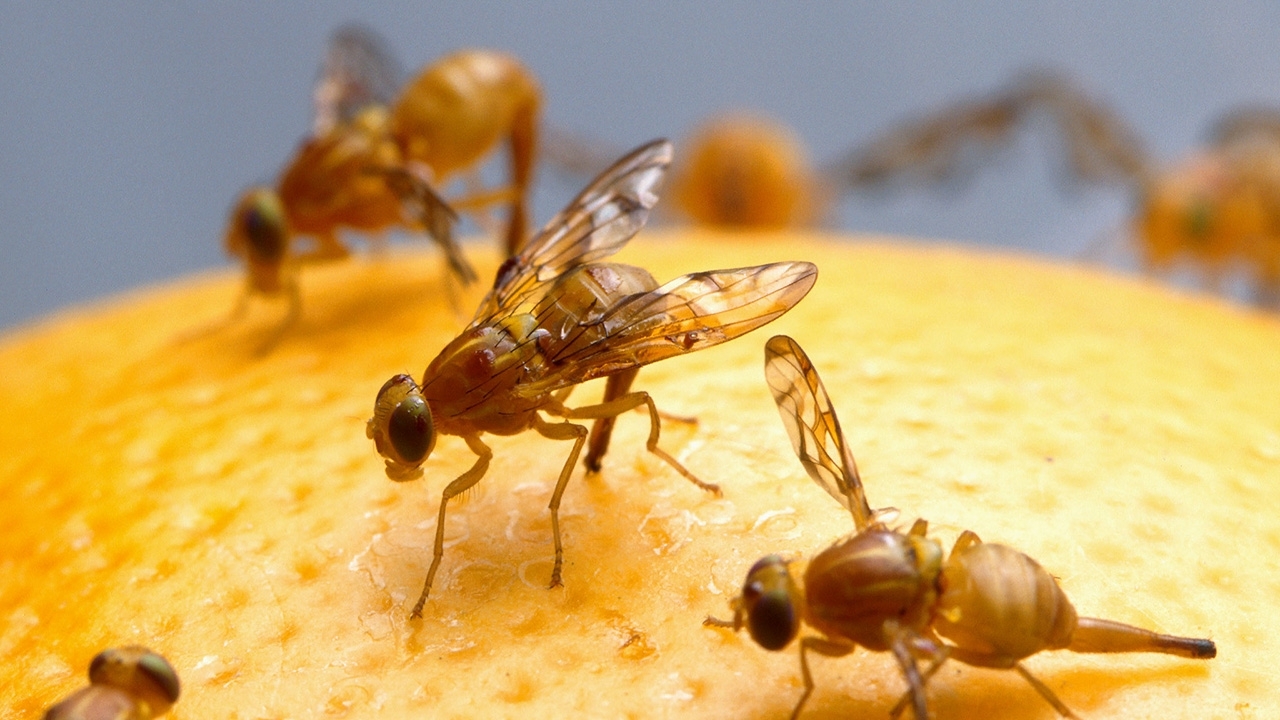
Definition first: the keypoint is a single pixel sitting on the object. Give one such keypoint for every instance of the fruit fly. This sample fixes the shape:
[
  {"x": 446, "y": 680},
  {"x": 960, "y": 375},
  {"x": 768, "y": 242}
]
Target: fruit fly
[
  {"x": 125, "y": 683},
  {"x": 557, "y": 317},
  {"x": 742, "y": 171},
  {"x": 376, "y": 159},
  {"x": 983, "y": 604},
  {"x": 1218, "y": 209}
]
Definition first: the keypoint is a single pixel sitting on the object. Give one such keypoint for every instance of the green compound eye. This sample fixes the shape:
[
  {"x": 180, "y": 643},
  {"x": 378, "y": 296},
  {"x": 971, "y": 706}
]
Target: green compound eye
[
  {"x": 127, "y": 667},
  {"x": 162, "y": 673},
  {"x": 410, "y": 430}
]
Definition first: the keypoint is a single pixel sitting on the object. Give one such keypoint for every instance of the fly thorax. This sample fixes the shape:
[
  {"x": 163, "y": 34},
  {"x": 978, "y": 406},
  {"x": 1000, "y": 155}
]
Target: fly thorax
[
  {"x": 480, "y": 364},
  {"x": 855, "y": 587}
]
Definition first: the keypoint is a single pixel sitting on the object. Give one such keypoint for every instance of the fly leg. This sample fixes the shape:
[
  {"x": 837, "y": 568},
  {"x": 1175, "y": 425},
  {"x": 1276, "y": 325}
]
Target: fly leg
[
  {"x": 981, "y": 659},
  {"x": 461, "y": 484},
  {"x": 327, "y": 248},
  {"x": 560, "y": 431},
  {"x": 822, "y": 646},
  {"x": 290, "y": 317},
  {"x": 237, "y": 314},
  {"x": 613, "y": 408},
  {"x": 900, "y": 642},
  {"x": 937, "y": 654},
  {"x": 615, "y": 387}
]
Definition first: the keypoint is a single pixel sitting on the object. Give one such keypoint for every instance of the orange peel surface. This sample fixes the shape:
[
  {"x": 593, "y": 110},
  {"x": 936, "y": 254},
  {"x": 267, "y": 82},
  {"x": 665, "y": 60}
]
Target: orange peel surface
[{"x": 227, "y": 510}]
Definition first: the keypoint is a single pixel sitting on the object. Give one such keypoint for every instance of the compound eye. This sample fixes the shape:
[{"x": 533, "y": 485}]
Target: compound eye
[
  {"x": 127, "y": 667},
  {"x": 264, "y": 224},
  {"x": 98, "y": 667},
  {"x": 769, "y": 597},
  {"x": 161, "y": 673},
  {"x": 772, "y": 620},
  {"x": 410, "y": 430}
]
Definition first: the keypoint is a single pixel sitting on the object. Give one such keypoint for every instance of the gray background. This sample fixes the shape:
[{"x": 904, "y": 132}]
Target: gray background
[{"x": 128, "y": 129}]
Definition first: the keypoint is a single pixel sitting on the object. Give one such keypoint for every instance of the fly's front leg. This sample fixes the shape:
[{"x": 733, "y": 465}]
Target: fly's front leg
[
  {"x": 822, "y": 646},
  {"x": 560, "y": 431},
  {"x": 624, "y": 403},
  {"x": 461, "y": 484},
  {"x": 291, "y": 317}
]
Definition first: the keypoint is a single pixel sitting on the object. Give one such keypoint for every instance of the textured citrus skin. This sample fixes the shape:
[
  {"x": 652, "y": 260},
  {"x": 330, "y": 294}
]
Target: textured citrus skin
[{"x": 227, "y": 510}]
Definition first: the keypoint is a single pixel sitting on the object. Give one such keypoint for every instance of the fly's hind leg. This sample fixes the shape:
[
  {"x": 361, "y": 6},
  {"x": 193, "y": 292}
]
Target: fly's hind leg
[
  {"x": 615, "y": 387},
  {"x": 1046, "y": 693},
  {"x": 982, "y": 659},
  {"x": 461, "y": 484},
  {"x": 613, "y": 408}
]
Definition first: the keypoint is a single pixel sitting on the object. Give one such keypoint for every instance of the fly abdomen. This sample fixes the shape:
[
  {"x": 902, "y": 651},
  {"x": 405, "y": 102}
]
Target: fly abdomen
[{"x": 1002, "y": 605}]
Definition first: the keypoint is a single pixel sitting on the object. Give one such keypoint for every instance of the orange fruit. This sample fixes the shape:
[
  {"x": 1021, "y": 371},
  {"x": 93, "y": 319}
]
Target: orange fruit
[{"x": 227, "y": 510}]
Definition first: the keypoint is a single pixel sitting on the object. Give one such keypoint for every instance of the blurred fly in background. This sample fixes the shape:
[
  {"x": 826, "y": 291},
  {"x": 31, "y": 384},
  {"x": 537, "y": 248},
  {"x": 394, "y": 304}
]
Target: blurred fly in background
[
  {"x": 377, "y": 156},
  {"x": 129, "y": 130},
  {"x": 1216, "y": 212}
]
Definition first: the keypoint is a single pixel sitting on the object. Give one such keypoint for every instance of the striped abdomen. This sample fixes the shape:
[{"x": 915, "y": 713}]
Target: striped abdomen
[{"x": 998, "y": 603}]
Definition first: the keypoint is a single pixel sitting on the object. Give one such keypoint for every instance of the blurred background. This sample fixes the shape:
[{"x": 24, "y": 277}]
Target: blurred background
[{"x": 130, "y": 128}]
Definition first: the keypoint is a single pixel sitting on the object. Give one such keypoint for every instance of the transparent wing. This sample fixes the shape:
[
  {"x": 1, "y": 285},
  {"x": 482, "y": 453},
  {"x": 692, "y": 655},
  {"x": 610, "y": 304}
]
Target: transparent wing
[
  {"x": 572, "y": 154},
  {"x": 952, "y": 143},
  {"x": 687, "y": 314},
  {"x": 359, "y": 70},
  {"x": 596, "y": 224},
  {"x": 812, "y": 424},
  {"x": 1247, "y": 124},
  {"x": 432, "y": 212}
]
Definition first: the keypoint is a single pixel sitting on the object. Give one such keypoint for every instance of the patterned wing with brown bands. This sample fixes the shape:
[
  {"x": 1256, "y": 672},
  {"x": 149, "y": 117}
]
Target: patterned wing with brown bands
[
  {"x": 595, "y": 225},
  {"x": 689, "y": 313},
  {"x": 812, "y": 424}
]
